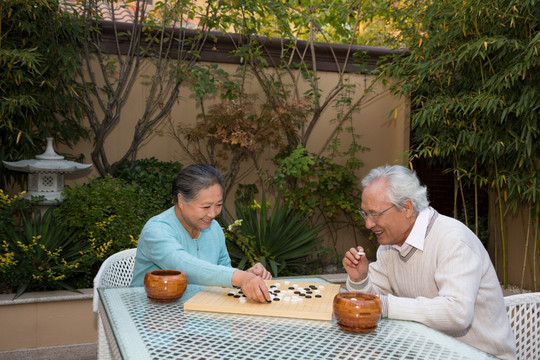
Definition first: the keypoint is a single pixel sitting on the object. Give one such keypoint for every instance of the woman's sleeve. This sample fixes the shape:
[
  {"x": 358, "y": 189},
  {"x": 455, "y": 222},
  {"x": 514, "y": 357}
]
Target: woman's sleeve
[{"x": 162, "y": 248}]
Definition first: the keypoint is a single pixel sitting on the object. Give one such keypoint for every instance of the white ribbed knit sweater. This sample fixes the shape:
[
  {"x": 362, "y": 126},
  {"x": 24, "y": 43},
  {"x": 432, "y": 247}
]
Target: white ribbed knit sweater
[{"x": 450, "y": 286}]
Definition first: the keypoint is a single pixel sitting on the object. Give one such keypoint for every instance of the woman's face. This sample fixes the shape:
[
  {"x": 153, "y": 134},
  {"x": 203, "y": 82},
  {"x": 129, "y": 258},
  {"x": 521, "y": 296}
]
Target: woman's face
[{"x": 199, "y": 213}]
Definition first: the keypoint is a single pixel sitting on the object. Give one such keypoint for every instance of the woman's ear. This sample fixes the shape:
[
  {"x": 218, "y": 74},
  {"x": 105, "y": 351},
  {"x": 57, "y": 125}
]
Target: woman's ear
[{"x": 179, "y": 200}]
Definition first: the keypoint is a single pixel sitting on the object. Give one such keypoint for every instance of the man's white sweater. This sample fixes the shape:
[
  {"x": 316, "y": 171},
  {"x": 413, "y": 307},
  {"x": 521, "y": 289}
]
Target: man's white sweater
[{"x": 450, "y": 286}]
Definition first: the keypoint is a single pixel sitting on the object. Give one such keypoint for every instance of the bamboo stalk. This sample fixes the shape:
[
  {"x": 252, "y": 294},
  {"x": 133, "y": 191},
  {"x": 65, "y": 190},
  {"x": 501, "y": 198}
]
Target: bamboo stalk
[
  {"x": 495, "y": 246},
  {"x": 476, "y": 224},
  {"x": 503, "y": 235},
  {"x": 463, "y": 202},
  {"x": 455, "y": 195},
  {"x": 536, "y": 254},
  {"x": 527, "y": 236}
]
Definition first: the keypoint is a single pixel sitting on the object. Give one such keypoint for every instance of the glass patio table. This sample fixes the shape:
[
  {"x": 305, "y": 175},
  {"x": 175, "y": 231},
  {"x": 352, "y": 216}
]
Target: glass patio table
[{"x": 137, "y": 328}]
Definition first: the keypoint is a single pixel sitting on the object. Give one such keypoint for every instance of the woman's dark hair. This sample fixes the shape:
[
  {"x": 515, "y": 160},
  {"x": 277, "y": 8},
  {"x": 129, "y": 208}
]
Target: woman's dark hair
[{"x": 194, "y": 178}]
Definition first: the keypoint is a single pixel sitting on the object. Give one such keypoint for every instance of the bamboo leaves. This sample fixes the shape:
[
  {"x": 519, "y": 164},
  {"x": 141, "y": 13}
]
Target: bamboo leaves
[{"x": 473, "y": 78}]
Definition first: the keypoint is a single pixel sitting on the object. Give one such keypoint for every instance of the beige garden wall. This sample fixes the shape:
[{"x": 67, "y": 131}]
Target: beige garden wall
[
  {"x": 382, "y": 123},
  {"x": 386, "y": 135},
  {"x": 44, "y": 319}
]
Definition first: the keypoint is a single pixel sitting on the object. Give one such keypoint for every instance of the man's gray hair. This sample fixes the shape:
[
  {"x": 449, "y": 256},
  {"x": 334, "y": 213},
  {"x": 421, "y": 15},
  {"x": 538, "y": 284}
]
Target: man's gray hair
[{"x": 403, "y": 184}]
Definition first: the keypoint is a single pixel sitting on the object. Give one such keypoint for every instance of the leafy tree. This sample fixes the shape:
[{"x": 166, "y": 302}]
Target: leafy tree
[
  {"x": 157, "y": 37},
  {"x": 300, "y": 28},
  {"x": 472, "y": 73},
  {"x": 39, "y": 59},
  {"x": 293, "y": 100},
  {"x": 237, "y": 131}
]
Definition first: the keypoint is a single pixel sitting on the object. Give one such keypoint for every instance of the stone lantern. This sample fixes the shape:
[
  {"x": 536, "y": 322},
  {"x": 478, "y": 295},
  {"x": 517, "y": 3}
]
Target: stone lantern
[{"x": 46, "y": 174}]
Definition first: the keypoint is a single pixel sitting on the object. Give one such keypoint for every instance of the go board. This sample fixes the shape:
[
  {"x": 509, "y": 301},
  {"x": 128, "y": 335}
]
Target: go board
[{"x": 289, "y": 299}]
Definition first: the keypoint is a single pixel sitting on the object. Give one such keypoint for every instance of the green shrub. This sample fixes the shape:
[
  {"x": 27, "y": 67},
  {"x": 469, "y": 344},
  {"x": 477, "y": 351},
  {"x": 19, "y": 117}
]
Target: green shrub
[
  {"x": 108, "y": 213},
  {"x": 153, "y": 175},
  {"x": 326, "y": 192},
  {"x": 317, "y": 185},
  {"x": 280, "y": 238},
  {"x": 42, "y": 254}
]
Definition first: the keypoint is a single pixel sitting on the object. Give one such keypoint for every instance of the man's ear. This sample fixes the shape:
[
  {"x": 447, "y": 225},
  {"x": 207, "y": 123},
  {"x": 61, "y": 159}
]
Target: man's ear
[{"x": 409, "y": 208}]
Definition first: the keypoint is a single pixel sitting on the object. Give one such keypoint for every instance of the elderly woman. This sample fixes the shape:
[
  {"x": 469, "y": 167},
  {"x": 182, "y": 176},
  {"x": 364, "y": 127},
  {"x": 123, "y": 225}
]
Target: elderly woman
[
  {"x": 430, "y": 268},
  {"x": 186, "y": 237}
]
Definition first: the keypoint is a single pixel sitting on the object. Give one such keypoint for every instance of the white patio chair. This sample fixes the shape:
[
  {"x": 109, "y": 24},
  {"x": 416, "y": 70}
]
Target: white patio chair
[
  {"x": 116, "y": 271},
  {"x": 524, "y": 315}
]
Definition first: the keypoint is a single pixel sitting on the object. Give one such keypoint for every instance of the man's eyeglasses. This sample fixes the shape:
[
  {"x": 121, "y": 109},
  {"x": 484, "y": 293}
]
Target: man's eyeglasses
[{"x": 373, "y": 214}]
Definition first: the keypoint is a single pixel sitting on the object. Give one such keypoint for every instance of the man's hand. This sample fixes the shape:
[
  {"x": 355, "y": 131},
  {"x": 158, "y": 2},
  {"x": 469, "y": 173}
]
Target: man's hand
[{"x": 356, "y": 264}]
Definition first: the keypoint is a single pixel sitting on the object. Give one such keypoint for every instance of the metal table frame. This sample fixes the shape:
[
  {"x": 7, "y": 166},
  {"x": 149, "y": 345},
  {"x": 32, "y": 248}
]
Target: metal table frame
[{"x": 136, "y": 328}]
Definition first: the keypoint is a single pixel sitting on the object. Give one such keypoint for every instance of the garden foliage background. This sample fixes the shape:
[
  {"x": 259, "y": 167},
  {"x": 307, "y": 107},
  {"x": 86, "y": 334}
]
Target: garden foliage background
[{"x": 284, "y": 99}]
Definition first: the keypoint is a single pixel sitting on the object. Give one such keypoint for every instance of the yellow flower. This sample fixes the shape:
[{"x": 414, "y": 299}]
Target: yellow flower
[
  {"x": 5, "y": 197},
  {"x": 256, "y": 205},
  {"x": 7, "y": 260},
  {"x": 23, "y": 247}
]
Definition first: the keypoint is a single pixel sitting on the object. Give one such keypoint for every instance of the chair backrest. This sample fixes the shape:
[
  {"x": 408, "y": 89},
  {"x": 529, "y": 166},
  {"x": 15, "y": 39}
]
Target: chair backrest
[
  {"x": 524, "y": 315},
  {"x": 116, "y": 271}
]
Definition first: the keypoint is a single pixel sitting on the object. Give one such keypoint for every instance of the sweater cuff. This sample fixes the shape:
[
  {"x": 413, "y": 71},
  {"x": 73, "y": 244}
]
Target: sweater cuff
[
  {"x": 384, "y": 305},
  {"x": 352, "y": 285}
]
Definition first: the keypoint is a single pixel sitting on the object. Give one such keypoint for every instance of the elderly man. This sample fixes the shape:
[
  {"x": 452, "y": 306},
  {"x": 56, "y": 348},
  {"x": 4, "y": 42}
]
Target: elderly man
[{"x": 430, "y": 268}]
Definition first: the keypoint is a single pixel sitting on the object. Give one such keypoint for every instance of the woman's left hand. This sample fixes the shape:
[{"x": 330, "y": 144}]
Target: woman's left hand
[{"x": 260, "y": 271}]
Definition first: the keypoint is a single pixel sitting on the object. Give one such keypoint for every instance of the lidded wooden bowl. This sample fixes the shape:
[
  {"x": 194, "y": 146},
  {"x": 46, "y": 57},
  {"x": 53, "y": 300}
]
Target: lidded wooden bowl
[
  {"x": 165, "y": 285},
  {"x": 356, "y": 311}
]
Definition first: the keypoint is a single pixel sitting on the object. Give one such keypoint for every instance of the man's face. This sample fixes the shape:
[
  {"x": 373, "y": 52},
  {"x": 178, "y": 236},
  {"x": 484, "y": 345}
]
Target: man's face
[{"x": 394, "y": 225}]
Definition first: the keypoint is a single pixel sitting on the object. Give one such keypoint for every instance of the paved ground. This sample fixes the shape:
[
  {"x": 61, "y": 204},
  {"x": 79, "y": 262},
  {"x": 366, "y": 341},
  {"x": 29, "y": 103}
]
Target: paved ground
[{"x": 70, "y": 352}]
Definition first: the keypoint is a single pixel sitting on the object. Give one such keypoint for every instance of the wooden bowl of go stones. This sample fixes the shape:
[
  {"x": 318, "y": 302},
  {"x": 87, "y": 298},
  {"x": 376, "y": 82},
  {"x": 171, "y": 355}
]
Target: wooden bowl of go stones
[
  {"x": 165, "y": 285},
  {"x": 356, "y": 311}
]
